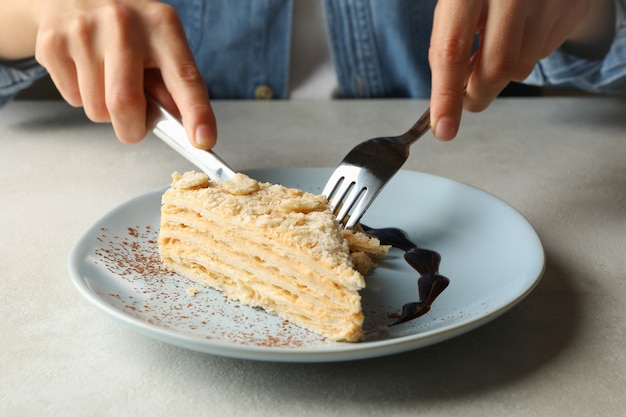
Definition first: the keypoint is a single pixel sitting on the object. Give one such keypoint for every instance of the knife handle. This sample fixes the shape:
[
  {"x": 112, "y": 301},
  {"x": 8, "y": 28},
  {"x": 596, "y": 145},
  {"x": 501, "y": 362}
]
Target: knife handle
[{"x": 171, "y": 131}]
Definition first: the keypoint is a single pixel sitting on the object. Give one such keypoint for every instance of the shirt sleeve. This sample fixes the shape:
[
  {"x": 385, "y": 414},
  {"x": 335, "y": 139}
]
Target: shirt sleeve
[
  {"x": 15, "y": 76},
  {"x": 607, "y": 76}
]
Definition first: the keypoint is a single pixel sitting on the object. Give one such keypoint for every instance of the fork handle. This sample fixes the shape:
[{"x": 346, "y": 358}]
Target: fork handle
[{"x": 418, "y": 129}]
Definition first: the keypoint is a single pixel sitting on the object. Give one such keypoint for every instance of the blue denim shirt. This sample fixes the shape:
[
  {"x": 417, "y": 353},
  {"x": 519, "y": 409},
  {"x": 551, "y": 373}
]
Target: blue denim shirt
[
  {"x": 15, "y": 76},
  {"x": 240, "y": 48},
  {"x": 567, "y": 71},
  {"x": 379, "y": 49}
]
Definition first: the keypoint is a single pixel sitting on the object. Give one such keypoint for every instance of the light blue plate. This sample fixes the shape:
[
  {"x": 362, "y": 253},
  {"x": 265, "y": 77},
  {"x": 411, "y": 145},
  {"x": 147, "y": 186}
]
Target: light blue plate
[{"x": 490, "y": 253}]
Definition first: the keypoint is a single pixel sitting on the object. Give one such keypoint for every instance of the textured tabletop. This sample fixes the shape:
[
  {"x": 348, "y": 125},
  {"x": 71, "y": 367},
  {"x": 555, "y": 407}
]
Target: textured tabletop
[{"x": 560, "y": 161}]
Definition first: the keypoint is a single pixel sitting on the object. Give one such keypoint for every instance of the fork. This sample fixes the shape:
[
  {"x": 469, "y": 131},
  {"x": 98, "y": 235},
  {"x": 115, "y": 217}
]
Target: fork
[{"x": 366, "y": 169}]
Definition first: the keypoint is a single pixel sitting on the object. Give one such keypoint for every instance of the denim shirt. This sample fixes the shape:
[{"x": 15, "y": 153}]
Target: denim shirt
[
  {"x": 379, "y": 49},
  {"x": 567, "y": 71},
  {"x": 16, "y": 76},
  {"x": 237, "y": 54}
]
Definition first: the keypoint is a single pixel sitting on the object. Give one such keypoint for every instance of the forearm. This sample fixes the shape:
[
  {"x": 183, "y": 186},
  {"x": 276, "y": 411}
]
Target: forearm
[
  {"x": 592, "y": 38},
  {"x": 18, "y": 28}
]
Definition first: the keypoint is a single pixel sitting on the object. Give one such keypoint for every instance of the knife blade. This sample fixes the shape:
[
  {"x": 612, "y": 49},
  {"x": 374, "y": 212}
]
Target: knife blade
[{"x": 171, "y": 131}]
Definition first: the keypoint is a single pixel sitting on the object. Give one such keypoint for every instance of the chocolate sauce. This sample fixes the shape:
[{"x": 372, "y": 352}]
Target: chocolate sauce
[{"x": 426, "y": 262}]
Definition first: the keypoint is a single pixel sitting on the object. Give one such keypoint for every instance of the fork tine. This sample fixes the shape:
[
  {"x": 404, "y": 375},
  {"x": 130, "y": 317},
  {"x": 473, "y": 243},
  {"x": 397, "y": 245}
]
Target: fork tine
[
  {"x": 339, "y": 184},
  {"x": 331, "y": 186},
  {"x": 341, "y": 188},
  {"x": 356, "y": 195}
]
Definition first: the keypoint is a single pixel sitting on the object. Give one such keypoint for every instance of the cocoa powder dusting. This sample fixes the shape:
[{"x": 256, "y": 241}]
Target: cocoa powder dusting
[{"x": 152, "y": 294}]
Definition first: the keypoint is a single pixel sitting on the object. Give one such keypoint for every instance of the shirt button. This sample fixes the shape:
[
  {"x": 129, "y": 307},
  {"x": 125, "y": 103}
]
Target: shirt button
[{"x": 263, "y": 92}]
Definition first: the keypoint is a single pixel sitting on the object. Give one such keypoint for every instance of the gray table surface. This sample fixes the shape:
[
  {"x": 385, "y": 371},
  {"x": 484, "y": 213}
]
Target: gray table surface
[{"x": 562, "y": 351}]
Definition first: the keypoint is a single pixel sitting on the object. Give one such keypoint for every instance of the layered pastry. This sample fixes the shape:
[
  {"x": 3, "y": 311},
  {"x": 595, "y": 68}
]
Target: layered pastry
[{"x": 268, "y": 246}]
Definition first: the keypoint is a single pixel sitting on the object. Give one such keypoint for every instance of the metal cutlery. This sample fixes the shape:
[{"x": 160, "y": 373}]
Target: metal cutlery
[
  {"x": 171, "y": 131},
  {"x": 366, "y": 169}
]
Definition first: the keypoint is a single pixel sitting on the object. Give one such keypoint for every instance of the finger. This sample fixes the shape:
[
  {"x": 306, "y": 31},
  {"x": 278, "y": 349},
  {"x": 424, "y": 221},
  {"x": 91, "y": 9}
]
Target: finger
[
  {"x": 51, "y": 52},
  {"x": 184, "y": 82},
  {"x": 125, "y": 98},
  {"x": 124, "y": 82},
  {"x": 89, "y": 61},
  {"x": 63, "y": 75},
  {"x": 454, "y": 26},
  {"x": 498, "y": 54},
  {"x": 153, "y": 82},
  {"x": 90, "y": 78},
  {"x": 536, "y": 34}
]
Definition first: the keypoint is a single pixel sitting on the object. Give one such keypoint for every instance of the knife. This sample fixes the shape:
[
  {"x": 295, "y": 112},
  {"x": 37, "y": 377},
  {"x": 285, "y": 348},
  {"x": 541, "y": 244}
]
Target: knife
[{"x": 171, "y": 131}]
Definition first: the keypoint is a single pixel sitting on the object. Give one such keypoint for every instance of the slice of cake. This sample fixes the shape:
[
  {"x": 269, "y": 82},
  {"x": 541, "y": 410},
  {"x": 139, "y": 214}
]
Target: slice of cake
[{"x": 268, "y": 246}]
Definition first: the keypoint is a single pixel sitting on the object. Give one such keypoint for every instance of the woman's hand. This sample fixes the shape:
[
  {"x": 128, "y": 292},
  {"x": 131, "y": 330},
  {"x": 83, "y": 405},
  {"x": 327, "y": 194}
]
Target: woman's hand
[
  {"x": 514, "y": 35},
  {"x": 103, "y": 54}
]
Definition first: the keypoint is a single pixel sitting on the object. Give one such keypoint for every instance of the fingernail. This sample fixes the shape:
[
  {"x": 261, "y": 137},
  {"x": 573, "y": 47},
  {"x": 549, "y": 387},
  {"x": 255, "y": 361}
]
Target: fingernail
[
  {"x": 205, "y": 137},
  {"x": 446, "y": 128}
]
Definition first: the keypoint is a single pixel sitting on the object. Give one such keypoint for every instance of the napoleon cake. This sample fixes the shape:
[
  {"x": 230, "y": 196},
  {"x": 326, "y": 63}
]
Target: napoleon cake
[{"x": 268, "y": 246}]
